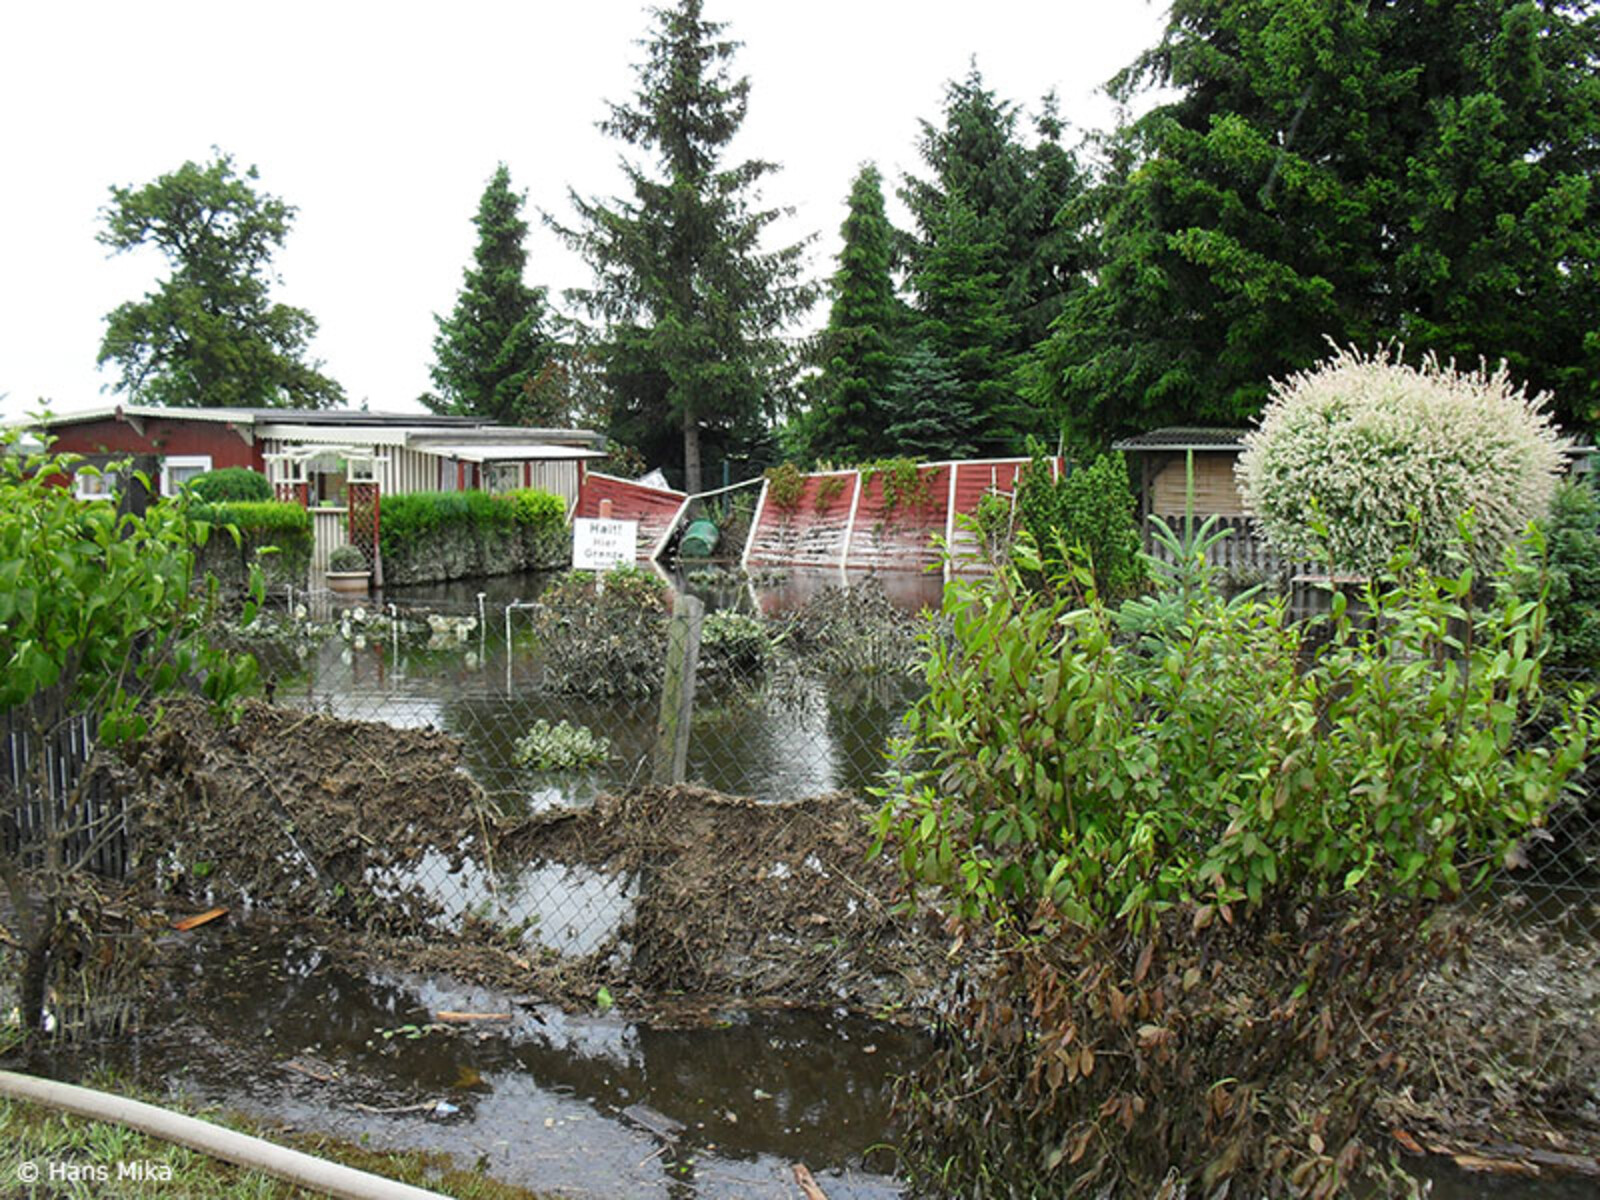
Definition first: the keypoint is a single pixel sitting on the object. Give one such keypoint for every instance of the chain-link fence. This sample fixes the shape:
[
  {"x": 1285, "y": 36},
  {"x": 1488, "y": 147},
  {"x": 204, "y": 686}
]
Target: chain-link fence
[
  {"x": 477, "y": 768},
  {"x": 504, "y": 774}
]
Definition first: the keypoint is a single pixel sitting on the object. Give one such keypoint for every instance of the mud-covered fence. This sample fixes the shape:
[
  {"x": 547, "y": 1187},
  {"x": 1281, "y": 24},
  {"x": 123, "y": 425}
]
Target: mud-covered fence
[{"x": 48, "y": 792}]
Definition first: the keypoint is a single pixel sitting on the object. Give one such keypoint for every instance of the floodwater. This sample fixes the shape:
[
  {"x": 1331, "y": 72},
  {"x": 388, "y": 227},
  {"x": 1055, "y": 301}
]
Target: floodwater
[
  {"x": 476, "y": 677},
  {"x": 260, "y": 1022},
  {"x": 592, "y": 1105}
]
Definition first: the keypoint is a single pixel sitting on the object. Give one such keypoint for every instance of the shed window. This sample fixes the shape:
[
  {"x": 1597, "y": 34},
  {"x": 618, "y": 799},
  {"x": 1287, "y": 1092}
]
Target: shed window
[{"x": 179, "y": 469}]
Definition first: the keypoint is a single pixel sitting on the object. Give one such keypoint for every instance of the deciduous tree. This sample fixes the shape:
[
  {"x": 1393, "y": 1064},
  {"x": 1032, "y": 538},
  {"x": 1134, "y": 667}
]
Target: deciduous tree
[{"x": 209, "y": 333}]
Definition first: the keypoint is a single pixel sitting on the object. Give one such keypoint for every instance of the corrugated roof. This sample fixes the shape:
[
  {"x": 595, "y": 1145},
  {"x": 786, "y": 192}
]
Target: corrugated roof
[{"x": 1184, "y": 437}]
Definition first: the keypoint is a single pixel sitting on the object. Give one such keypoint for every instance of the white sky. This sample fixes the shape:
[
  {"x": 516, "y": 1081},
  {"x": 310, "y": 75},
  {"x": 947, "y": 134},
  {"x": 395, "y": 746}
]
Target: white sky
[{"x": 381, "y": 123}]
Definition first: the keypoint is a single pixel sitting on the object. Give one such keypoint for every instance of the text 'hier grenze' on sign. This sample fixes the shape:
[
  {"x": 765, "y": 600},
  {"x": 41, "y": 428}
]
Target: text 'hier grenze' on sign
[{"x": 601, "y": 545}]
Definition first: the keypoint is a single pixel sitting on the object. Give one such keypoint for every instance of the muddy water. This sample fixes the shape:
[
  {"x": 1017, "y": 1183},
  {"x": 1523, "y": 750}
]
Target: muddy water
[
  {"x": 472, "y": 681},
  {"x": 592, "y": 1105},
  {"x": 257, "y": 1021}
]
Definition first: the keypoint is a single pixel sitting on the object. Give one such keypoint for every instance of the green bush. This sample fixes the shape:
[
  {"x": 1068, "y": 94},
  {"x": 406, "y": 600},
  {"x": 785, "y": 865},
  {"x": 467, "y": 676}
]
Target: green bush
[
  {"x": 275, "y": 535},
  {"x": 1363, "y": 455},
  {"x": 230, "y": 483},
  {"x": 1202, "y": 871},
  {"x": 1076, "y": 767},
  {"x": 735, "y": 648},
  {"x": 430, "y": 536},
  {"x": 346, "y": 558},
  {"x": 1089, "y": 511},
  {"x": 1571, "y": 573},
  {"x": 603, "y": 635}
]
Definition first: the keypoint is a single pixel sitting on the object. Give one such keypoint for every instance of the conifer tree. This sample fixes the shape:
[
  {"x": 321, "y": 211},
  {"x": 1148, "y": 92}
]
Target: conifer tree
[
  {"x": 858, "y": 347},
  {"x": 932, "y": 413},
  {"x": 1008, "y": 196},
  {"x": 694, "y": 308},
  {"x": 1361, "y": 173},
  {"x": 965, "y": 324},
  {"x": 493, "y": 351}
]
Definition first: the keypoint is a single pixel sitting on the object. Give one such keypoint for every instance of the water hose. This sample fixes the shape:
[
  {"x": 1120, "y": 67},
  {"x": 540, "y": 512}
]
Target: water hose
[{"x": 241, "y": 1149}]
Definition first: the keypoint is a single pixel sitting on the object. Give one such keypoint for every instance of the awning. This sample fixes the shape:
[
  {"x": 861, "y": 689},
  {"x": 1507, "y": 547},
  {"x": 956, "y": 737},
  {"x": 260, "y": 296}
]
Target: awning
[{"x": 482, "y": 452}]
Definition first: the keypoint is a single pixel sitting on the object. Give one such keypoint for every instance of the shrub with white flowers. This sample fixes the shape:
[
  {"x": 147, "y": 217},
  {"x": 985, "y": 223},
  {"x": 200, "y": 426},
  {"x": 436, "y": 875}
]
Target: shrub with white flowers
[{"x": 1363, "y": 454}]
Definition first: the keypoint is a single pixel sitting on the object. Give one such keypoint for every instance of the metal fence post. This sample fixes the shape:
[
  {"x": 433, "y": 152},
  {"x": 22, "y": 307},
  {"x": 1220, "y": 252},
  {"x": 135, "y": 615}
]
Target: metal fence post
[{"x": 670, "y": 762}]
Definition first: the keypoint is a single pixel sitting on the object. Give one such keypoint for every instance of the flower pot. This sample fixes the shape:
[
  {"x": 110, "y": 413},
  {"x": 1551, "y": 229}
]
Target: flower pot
[{"x": 348, "y": 583}]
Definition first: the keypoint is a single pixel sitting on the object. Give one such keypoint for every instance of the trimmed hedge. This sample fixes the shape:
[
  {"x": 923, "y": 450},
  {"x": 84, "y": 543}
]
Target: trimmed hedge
[
  {"x": 262, "y": 523},
  {"x": 427, "y": 537},
  {"x": 230, "y": 483}
]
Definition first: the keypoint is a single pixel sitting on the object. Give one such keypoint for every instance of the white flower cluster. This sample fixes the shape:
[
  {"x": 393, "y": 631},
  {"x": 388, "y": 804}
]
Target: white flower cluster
[{"x": 1364, "y": 454}]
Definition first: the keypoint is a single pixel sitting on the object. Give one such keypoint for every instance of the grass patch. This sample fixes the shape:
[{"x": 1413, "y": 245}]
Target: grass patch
[{"x": 36, "y": 1134}]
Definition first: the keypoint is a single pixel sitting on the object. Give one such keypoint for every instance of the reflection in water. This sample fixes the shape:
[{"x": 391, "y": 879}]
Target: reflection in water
[
  {"x": 278, "y": 1029},
  {"x": 785, "y": 741},
  {"x": 569, "y": 909}
]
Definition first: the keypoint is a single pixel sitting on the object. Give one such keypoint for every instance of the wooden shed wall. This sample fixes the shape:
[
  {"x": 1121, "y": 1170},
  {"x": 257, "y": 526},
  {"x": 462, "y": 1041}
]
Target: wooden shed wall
[{"x": 1214, "y": 488}]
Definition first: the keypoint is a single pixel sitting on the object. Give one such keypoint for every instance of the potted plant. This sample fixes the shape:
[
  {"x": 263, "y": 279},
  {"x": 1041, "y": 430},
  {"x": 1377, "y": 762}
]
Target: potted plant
[{"x": 348, "y": 571}]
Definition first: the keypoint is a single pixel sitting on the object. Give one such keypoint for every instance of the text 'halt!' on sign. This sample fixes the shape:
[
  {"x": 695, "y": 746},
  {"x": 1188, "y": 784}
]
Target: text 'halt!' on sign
[{"x": 599, "y": 545}]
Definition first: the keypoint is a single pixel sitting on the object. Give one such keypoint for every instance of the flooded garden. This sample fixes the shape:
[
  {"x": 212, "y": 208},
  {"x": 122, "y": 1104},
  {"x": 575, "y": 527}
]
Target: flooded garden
[{"x": 441, "y": 936}]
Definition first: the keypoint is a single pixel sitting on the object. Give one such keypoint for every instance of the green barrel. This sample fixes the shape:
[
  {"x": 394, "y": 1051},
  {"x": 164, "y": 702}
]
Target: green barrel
[{"x": 699, "y": 540}]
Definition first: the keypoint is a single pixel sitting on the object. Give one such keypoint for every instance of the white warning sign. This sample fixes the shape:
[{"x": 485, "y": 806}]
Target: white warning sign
[{"x": 601, "y": 545}]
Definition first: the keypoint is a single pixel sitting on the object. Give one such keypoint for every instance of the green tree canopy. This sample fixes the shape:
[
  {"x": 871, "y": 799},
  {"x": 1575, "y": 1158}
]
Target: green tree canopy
[
  {"x": 979, "y": 158},
  {"x": 986, "y": 222},
  {"x": 209, "y": 333},
  {"x": 858, "y": 348},
  {"x": 966, "y": 324},
  {"x": 493, "y": 355},
  {"x": 933, "y": 417},
  {"x": 694, "y": 307},
  {"x": 1337, "y": 169}
]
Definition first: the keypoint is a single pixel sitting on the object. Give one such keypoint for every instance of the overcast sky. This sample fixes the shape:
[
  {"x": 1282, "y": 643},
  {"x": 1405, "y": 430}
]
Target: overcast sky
[{"x": 382, "y": 123}]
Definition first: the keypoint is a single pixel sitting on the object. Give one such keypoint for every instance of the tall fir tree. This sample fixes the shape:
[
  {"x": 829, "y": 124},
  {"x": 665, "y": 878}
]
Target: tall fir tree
[
  {"x": 1009, "y": 195},
  {"x": 931, "y": 407},
  {"x": 965, "y": 325},
  {"x": 209, "y": 334},
  {"x": 849, "y": 421},
  {"x": 695, "y": 309},
  {"x": 1350, "y": 171},
  {"x": 493, "y": 354}
]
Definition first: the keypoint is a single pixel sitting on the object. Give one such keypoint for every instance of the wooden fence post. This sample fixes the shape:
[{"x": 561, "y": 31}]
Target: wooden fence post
[{"x": 670, "y": 762}]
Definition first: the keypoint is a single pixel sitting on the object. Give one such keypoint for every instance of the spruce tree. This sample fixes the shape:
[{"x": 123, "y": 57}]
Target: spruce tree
[
  {"x": 1353, "y": 172},
  {"x": 694, "y": 308},
  {"x": 932, "y": 413},
  {"x": 965, "y": 323},
  {"x": 978, "y": 157},
  {"x": 493, "y": 352},
  {"x": 850, "y": 419}
]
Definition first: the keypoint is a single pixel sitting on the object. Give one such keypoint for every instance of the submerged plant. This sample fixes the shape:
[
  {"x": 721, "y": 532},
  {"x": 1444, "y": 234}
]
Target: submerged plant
[
  {"x": 736, "y": 648},
  {"x": 603, "y": 635},
  {"x": 560, "y": 747}
]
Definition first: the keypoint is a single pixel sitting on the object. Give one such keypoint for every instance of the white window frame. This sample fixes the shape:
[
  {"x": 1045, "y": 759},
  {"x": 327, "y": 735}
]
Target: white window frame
[
  {"x": 203, "y": 461},
  {"x": 100, "y": 486}
]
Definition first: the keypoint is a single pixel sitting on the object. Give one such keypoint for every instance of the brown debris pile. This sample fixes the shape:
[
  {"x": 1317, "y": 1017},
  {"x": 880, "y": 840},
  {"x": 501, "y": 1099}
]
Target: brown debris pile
[
  {"x": 305, "y": 815},
  {"x": 1504, "y": 1050},
  {"x": 295, "y": 811},
  {"x": 737, "y": 897}
]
